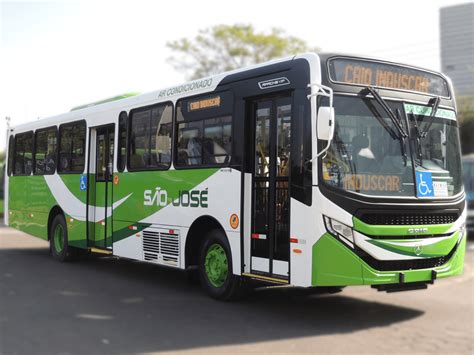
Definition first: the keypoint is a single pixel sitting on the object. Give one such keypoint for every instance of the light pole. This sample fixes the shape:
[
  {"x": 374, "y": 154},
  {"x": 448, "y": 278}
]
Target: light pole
[{"x": 4, "y": 172}]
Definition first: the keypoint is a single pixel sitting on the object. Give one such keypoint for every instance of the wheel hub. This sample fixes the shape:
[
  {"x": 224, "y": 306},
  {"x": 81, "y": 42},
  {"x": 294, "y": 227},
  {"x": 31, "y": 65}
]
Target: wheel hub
[
  {"x": 216, "y": 265},
  {"x": 58, "y": 238}
]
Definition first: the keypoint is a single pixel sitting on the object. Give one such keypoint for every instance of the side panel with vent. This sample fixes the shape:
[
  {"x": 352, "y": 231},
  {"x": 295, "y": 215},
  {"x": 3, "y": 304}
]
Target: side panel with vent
[
  {"x": 159, "y": 233},
  {"x": 161, "y": 246}
]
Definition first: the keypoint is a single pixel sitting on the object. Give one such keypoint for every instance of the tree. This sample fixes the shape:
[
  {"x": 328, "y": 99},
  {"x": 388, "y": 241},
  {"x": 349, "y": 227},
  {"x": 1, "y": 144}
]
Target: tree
[{"x": 226, "y": 47}]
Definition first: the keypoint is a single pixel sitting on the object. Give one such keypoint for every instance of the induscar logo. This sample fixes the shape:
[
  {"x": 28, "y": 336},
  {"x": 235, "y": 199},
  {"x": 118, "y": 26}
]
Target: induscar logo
[{"x": 186, "y": 198}]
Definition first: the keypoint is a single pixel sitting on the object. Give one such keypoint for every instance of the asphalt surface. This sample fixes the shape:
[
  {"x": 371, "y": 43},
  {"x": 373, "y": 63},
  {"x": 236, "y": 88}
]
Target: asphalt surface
[{"x": 116, "y": 306}]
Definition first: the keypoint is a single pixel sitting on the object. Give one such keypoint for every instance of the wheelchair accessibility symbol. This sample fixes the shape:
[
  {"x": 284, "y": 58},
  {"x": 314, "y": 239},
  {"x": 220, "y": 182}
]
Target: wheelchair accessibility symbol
[
  {"x": 424, "y": 184},
  {"x": 83, "y": 183}
]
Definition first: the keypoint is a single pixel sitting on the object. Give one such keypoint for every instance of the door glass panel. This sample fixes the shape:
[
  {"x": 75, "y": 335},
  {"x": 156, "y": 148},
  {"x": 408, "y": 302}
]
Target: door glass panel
[
  {"x": 111, "y": 155},
  {"x": 101, "y": 158},
  {"x": 261, "y": 179},
  {"x": 271, "y": 199},
  {"x": 283, "y": 138},
  {"x": 262, "y": 142}
]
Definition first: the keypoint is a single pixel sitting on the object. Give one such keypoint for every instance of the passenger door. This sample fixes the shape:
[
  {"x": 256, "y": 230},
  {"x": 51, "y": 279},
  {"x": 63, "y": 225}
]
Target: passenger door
[
  {"x": 101, "y": 188},
  {"x": 270, "y": 239}
]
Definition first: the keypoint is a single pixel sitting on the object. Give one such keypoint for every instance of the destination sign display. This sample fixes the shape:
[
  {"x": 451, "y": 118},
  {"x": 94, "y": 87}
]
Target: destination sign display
[
  {"x": 363, "y": 182},
  {"x": 216, "y": 104},
  {"x": 206, "y": 103},
  {"x": 383, "y": 75}
]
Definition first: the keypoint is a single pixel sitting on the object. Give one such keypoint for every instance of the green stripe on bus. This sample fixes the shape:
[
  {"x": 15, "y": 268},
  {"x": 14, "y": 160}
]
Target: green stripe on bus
[
  {"x": 335, "y": 264},
  {"x": 418, "y": 247},
  {"x": 127, "y": 232}
]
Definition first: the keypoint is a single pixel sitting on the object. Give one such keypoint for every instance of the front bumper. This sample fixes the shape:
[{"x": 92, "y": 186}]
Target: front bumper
[{"x": 334, "y": 264}]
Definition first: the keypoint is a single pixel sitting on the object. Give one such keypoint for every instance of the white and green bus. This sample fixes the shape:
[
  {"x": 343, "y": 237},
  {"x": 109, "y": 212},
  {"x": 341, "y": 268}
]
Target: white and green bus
[{"x": 319, "y": 170}]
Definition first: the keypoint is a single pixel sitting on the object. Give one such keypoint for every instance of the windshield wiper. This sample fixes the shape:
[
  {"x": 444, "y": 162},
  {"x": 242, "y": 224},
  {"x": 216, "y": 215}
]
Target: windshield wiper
[
  {"x": 421, "y": 134},
  {"x": 402, "y": 140},
  {"x": 396, "y": 121},
  {"x": 428, "y": 124}
]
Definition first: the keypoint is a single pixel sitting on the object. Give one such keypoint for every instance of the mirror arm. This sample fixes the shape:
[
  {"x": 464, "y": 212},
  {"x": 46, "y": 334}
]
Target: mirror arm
[
  {"x": 326, "y": 91},
  {"x": 310, "y": 161},
  {"x": 322, "y": 91},
  {"x": 323, "y": 151}
]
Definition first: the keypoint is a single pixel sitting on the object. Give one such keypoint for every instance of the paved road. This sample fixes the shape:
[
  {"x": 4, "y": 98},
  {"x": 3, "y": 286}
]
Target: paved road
[{"x": 105, "y": 305}]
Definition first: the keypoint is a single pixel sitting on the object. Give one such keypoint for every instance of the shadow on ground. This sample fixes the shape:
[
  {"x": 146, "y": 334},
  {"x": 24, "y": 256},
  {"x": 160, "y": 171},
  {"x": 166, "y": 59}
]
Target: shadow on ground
[{"x": 106, "y": 305}]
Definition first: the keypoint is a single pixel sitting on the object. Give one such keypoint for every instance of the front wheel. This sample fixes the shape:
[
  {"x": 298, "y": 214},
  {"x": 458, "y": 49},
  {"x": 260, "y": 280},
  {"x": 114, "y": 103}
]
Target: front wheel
[
  {"x": 215, "y": 268},
  {"x": 58, "y": 240}
]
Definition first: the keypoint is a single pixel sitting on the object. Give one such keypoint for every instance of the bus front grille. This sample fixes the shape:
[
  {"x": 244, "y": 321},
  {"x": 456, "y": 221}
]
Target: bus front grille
[{"x": 407, "y": 219}]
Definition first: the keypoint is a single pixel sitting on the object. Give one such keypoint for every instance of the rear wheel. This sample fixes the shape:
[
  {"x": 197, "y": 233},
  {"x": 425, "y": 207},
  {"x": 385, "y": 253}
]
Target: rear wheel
[
  {"x": 215, "y": 268},
  {"x": 58, "y": 240}
]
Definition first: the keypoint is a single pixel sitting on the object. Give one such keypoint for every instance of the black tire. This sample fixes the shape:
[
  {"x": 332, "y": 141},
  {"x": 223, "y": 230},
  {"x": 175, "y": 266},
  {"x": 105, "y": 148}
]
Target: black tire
[
  {"x": 58, "y": 244},
  {"x": 231, "y": 288}
]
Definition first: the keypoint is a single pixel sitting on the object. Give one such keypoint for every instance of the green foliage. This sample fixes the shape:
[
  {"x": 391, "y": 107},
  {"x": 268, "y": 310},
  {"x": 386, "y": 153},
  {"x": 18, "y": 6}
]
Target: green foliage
[
  {"x": 226, "y": 47},
  {"x": 465, "y": 105}
]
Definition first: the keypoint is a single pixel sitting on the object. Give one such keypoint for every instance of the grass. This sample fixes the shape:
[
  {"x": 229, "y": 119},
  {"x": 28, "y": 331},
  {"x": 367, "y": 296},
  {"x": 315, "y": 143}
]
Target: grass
[{"x": 1, "y": 207}]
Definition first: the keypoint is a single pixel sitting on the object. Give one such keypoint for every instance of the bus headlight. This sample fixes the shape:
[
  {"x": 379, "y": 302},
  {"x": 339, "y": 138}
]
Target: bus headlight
[{"x": 339, "y": 230}]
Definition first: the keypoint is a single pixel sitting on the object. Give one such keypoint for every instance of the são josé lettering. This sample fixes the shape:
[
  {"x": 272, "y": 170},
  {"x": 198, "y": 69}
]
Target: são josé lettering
[{"x": 194, "y": 198}]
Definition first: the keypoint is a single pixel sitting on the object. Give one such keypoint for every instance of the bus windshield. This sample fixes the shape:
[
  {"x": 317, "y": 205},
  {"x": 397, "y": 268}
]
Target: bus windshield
[{"x": 370, "y": 156}]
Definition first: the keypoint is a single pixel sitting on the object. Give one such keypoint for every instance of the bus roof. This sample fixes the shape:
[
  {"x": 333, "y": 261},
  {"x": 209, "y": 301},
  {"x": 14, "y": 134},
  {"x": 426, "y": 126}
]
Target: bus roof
[
  {"x": 114, "y": 98},
  {"x": 173, "y": 93}
]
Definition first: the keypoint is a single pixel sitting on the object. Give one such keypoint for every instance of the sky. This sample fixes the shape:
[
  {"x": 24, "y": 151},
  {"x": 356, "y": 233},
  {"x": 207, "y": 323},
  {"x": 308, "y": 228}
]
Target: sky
[{"x": 55, "y": 55}]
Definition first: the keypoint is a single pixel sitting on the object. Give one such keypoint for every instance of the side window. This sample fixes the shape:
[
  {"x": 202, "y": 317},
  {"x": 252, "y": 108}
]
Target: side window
[
  {"x": 72, "y": 141},
  {"x": 45, "y": 151},
  {"x": 205, "y": 142},
  {"x": 11, "y": 152},
  {"x": 204, "y": 130},
  {"x": 23, "y": 154},
  {"x": 150, "y": 138},
  {"x": 122, "y": 142},
  {"x": 217, "y": 140},
  {"x": 189, "y": 143}
]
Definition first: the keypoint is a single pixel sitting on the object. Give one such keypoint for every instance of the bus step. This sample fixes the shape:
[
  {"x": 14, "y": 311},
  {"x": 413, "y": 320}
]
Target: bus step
[
  {"x": 100, "y": 251},
  {"x": 266, "y": 278}
]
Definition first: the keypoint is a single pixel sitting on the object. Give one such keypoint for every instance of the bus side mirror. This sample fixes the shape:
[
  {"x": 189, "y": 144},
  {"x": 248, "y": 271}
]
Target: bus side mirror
[{"x": 325, "y": 125}]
